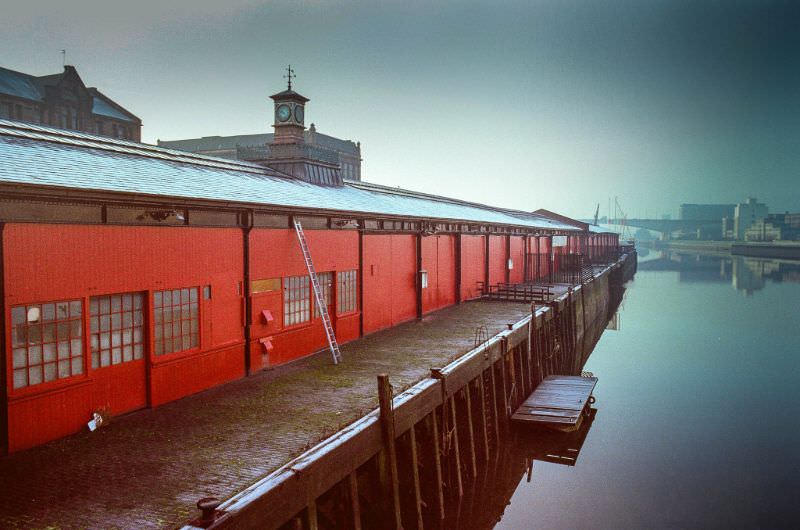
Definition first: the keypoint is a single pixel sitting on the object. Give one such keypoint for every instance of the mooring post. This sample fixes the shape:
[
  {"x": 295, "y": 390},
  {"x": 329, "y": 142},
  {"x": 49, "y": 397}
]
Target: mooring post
[{"x": 387, "y": 428}]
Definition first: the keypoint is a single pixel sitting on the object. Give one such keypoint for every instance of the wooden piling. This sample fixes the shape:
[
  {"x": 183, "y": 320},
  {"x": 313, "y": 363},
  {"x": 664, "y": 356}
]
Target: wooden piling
[
  {"x": 355, "y": 508},
  {"x": 472, "y": 452},
  {"x": 456, "y": 448},
  {"x": 438, "y": 461},
  {"x": 415, "y": 475},
  {"x": 387, "y": 429},
  {"x": 495, "y": 414},
  {"x": 313, "y": 523},
  {"x": 484, "y": 422}
]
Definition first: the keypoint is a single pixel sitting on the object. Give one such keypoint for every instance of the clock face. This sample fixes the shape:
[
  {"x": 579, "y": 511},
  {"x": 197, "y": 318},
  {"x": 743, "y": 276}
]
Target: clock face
[
  {"x": 298, "y": 114},
  {"x": 283, "y": 112}
]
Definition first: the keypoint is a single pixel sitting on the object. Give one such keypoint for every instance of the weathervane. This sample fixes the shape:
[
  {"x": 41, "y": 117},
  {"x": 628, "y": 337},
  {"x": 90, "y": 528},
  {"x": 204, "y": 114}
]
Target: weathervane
[{"x": 289, "y": 75}]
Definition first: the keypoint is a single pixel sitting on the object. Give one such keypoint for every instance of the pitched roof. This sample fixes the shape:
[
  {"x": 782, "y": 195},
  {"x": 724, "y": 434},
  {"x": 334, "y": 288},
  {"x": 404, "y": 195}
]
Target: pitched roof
[
  {"x": 49, "y": 157},
  {"x": 221, "y": 143},
  {"x": 31, "y": 87}
]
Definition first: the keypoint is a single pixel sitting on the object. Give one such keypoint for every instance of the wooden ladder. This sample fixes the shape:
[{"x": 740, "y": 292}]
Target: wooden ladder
[{"x": 318, "y": 294}]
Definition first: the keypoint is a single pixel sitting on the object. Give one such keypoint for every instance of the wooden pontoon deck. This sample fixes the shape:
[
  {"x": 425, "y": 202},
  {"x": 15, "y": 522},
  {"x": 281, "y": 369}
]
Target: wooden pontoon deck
[{"x": 557, "y": 403}]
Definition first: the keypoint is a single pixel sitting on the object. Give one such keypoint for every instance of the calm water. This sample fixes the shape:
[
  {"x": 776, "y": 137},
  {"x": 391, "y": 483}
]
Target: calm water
[{"x": 698, "y": 416}]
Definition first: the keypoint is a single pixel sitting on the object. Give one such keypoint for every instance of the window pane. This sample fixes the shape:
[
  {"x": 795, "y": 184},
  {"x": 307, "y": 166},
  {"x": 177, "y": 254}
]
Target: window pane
[
  {"x": 19, "y": 357},
  {"x": 77, "y": 365},
  {"x": 35, "y": 375},
  {"x": 20, "y": 378},
  {"x": 50, "y": 372}
]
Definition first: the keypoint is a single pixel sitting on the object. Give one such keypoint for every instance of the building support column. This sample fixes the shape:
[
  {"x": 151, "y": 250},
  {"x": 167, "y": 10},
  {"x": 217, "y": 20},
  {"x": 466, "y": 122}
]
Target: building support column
[
  {"x": 247, "y": 226},
  {"x": 487, "y": 246},
  {"x": 419, "y": 276},
  {"x": 360, "y": 278},
  {"x": 3, "y": 374},
  {"x": 458, "y": 267},
  {"x": 508, "y": 258}
]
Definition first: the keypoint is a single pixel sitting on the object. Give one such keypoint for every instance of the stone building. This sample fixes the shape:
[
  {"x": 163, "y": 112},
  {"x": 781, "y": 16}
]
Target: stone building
[
  {"x": 319, "y": 147},
  {"x": 64, "y": 101}
]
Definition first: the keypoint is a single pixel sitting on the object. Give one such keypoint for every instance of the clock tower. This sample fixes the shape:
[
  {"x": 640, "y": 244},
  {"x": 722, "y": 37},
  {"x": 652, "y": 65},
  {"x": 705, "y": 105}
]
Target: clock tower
[
  {"x": 289, "y": 114},
  {"x": 288, "y": 152}
]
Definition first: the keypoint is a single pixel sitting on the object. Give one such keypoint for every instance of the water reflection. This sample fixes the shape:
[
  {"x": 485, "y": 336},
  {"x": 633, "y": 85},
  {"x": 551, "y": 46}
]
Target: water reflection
[
  {"x": 697, "y": 427},
  {"x": 742, "y": 273},
  {"x": 484, "y": 504}
]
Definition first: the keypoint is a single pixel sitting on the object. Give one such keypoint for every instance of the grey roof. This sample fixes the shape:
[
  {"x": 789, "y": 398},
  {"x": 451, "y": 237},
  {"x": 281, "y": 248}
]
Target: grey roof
[
  {"x": 32, "y": 87},
  {"x": 219, "y": 143},
  {"x": 102, "y": 105},
  {"x": 19, "y": 85},
  {"x": 45, "y": 156},
  {"x": 215, "y": 143}
]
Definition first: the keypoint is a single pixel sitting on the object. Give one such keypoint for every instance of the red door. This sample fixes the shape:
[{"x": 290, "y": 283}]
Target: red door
[{"x": 117, "y": 345}]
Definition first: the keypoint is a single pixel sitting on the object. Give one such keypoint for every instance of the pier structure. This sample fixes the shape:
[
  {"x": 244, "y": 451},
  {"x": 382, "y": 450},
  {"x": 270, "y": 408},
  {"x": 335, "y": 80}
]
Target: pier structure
[{"x": 405, "y": 464}]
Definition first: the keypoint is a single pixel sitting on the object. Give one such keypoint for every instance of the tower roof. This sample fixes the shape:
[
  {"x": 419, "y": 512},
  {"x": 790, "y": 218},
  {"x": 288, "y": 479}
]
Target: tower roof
[{"x": 290, "y": 95}]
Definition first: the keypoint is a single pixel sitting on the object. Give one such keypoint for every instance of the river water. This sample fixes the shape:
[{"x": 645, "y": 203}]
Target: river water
[{"x": 698, "y": 418}]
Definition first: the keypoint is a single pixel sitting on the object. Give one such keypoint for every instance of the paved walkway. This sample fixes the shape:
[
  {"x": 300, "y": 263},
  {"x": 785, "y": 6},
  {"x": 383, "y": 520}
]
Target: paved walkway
[{"x": 147, "y": 469}]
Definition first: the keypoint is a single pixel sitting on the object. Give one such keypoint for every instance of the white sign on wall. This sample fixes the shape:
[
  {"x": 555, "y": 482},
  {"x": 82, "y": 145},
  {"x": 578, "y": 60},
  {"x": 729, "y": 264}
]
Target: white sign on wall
[{"x": 559, "y": 241}]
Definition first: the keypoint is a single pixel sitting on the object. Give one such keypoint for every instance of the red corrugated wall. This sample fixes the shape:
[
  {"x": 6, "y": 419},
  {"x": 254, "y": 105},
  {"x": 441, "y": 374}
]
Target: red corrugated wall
[
  {"x": 473, "y": 252},
  {"x": 438, "y": 258},
  {"x": 46, "y": 263},
  {"x": 389, "y": 280},
  {"x": 517, "y": 274},
  {"x": 497, "y": 259},
  {"x": 275, "y": 253}
]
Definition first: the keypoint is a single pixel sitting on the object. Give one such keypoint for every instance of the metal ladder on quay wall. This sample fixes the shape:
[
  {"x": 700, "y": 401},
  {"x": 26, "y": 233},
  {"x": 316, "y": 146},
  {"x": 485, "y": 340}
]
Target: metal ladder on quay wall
[{"x": 318, "y": 294}]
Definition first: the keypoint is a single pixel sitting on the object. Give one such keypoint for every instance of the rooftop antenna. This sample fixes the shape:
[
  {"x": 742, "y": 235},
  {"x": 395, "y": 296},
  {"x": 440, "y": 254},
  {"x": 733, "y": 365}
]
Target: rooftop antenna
[
  {"x": 63, "y": 58},
  {"x": 289, "y": 75}
]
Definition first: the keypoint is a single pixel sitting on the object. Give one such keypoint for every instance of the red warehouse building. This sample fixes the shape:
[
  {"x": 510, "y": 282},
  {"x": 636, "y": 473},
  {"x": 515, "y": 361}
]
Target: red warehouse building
[{"x": 134, "y": 275}]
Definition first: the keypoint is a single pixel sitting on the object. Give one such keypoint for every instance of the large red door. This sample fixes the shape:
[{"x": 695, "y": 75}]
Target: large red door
[{"x": 117, "y": 345}]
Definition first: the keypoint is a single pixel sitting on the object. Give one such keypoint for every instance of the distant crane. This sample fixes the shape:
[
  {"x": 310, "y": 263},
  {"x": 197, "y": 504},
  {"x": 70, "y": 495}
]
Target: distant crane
[
  {"x": 596, "y": 213},
  {"x": 625, "y": 233}
]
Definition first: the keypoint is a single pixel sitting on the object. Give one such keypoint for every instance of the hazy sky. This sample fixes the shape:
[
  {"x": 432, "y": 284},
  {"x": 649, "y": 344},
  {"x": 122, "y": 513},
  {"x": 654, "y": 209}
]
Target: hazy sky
[{"x": 526, "y": 104}]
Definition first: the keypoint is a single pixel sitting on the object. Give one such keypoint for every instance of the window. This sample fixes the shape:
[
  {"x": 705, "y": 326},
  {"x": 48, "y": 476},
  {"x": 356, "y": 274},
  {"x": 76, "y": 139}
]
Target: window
[
  {"x": 47, "y": 342},
  {"x": 115, "y": 327},
  {"x": 176, "y": 322},
  {"x": 347, "y": 290},
  {"x": 326, "y": 284},
  {"x": 296, "y": 300}
]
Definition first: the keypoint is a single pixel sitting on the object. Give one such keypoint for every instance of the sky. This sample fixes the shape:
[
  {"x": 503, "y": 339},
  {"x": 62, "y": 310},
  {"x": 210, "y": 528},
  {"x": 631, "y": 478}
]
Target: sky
[{"x": 522, "y": 104}]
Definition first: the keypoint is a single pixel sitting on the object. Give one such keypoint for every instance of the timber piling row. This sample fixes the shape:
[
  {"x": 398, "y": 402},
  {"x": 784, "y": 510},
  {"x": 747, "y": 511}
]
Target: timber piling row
[{"x": 404, "y": 464}]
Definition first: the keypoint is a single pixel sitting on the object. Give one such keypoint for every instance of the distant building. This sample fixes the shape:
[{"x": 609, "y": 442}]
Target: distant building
[
  {"x": 705, "y": 212},
  {"x": 64, "y": 101},
  {"x": 775, "y": 227},
  {"x": 746, "y": 214},
  {"x": 345, "y": 154}
]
